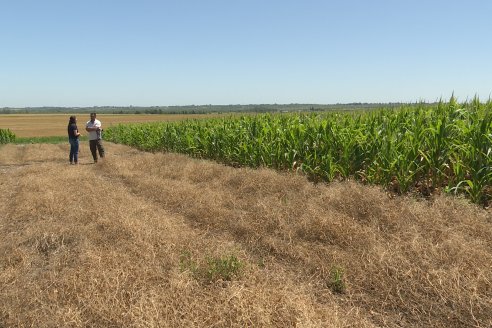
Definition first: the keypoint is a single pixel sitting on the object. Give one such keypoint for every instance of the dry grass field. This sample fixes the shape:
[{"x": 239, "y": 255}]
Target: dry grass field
[
  {"x": 48, "y": 125},
  {"x": 162, "y": 240}
]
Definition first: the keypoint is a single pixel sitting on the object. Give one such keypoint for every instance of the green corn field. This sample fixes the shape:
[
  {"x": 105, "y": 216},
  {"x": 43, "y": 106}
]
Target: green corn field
[
  {"x": 6, "y": 136},
  {"x": 423, "y": 148}
]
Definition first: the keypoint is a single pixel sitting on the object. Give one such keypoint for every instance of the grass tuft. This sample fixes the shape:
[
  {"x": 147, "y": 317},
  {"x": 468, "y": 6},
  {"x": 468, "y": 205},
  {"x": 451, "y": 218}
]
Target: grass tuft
[
  {"x": 213, "y": 268},
  {"x": 337, "y": 280},
  {"x": 44, "y": 140}
]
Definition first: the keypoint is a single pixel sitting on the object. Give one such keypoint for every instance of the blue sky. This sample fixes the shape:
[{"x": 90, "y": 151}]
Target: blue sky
[{"x": 183, "y": 52}]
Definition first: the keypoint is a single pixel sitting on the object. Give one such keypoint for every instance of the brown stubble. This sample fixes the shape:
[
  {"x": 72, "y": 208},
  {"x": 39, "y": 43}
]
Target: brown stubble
[
  {"x": 100, "y": 245},
  {"x": 49, "y": 125}
]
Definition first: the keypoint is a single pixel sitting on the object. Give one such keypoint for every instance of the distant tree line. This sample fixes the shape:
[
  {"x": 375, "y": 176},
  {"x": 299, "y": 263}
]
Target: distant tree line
[{"x": 200, "y": 109}]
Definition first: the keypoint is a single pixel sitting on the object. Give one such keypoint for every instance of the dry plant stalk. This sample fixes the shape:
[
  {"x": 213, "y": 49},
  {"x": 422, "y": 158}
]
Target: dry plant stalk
[{"x": 122, "y": 243}]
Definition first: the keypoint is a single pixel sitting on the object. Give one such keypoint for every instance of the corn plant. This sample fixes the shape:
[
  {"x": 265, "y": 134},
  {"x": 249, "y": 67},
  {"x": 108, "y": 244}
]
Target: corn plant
[
  {"x": 446, "y": 146},
  {"x": 6, "y": 136}
]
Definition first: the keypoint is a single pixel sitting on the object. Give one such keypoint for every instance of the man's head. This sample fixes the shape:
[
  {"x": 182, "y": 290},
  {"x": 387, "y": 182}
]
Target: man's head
[{"x": 93, "y": 117}]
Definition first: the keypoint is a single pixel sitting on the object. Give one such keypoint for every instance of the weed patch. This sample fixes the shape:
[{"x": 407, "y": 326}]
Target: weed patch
[
  {"x": 337, "y": 280},
  {"x": 212, "y": 269}
]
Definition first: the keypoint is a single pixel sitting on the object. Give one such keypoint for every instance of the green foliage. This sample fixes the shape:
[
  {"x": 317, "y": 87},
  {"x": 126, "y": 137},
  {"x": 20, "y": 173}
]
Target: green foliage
[
  {"x": 337, "y": 281},
  {"x": 223, "y": 268},
  {"x": 421, "y": 148},
  {"x": 213, "y": 269},
  {"x": 50, "y": 140},
  {"x": 6, "y": 136}
]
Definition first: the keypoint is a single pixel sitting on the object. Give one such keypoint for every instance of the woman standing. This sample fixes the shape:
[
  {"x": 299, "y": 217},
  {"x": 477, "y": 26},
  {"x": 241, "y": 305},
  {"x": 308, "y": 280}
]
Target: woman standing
[{"x": 73, "y": 138}]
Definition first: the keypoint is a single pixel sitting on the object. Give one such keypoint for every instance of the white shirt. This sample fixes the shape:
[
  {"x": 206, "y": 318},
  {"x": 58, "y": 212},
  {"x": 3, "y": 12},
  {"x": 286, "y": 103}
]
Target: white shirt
[{"x": 94, "y": 135}]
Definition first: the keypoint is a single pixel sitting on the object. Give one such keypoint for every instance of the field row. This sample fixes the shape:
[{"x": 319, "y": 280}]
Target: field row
[
  {"x": 445, "y": 147},
  {"x": 55, "y": 125}
]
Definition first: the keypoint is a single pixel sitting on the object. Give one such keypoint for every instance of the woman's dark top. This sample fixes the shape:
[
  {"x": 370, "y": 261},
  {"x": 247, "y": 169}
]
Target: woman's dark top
[{"x": 71, "y": 131}]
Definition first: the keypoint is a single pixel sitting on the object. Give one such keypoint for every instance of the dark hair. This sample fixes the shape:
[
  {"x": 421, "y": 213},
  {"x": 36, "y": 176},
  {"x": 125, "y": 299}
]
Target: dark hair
[{"x": 72, "y": 119}]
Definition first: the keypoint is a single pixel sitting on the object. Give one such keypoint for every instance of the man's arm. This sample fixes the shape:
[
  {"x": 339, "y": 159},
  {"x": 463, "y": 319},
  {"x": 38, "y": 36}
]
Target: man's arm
[{"x": 92, "y": 128}]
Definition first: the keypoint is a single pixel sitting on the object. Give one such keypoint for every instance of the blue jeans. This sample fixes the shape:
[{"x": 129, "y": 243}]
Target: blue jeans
[{"x": 74, "y": 150}]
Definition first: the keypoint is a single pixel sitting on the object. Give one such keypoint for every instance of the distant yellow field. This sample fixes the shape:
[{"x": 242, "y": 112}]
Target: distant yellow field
[{"x": 47, "y": 125}]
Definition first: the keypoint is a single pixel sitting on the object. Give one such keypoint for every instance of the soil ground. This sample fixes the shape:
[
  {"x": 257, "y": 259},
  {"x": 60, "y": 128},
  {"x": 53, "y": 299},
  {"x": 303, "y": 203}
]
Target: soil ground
[
  {"x": 48, "y": 125},
  {"x": 163, "y": 240}
]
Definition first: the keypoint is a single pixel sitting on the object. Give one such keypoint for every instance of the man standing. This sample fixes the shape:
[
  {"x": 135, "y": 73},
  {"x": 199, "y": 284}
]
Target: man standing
[{"x": 95, "y": 132}]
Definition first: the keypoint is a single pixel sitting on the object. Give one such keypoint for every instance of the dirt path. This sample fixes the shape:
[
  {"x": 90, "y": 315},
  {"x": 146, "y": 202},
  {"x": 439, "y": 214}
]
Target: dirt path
[{"x": 147, "y": 240}]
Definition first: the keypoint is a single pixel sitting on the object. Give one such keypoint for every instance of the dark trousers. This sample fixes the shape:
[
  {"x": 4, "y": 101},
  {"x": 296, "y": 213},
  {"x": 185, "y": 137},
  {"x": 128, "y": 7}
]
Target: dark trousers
[{"x": 96, "y": 146}]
